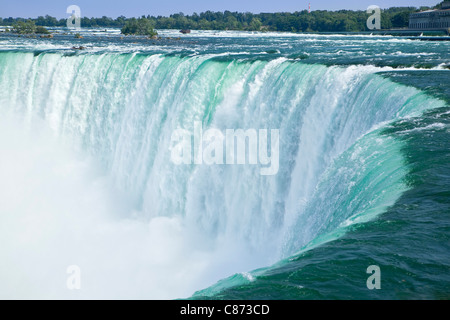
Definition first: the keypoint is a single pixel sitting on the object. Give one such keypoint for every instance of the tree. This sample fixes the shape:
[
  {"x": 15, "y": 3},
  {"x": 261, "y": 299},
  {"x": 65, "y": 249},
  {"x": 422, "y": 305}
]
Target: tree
[
  {"x": 141, "y": 26},
  {"x": 42, "y": 30},
  {"x": 255, "y": 24},
  {"x": 28, "y": 27},
  {"x": 400, "y": 20},
  {"x": 232, "y": 23},
  {"x": 24, "y": 27}
]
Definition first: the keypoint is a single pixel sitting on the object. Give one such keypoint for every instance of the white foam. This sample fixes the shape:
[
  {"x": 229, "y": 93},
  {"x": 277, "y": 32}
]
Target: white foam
[{"x": 58, "y": 208}]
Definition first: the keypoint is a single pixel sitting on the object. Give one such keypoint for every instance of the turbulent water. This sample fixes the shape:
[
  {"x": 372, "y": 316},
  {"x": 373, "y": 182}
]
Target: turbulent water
[{"x": 87, "y": 177}]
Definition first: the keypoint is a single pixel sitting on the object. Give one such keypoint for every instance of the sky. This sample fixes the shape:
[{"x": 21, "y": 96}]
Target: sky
[{"x": 136, "y": 8}]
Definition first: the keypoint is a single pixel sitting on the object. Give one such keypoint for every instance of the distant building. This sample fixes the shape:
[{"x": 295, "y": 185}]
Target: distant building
[{"x": 431, "y": 19}]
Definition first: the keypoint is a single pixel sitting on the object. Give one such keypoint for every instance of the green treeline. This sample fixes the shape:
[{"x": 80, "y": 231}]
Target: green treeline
[{"x": 301, "y": 21}]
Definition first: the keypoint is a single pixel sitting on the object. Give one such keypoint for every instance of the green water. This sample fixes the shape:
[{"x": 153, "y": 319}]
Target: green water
[{"x": 364, "y": 172}]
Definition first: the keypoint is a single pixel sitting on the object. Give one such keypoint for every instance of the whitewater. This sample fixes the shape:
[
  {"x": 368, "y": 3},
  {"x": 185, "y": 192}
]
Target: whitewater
[{"x": 86, "y": 172}]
